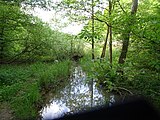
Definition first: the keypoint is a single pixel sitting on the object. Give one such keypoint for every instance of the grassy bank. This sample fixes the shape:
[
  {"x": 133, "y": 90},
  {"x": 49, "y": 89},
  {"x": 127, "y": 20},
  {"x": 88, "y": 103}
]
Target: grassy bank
[{"x": 21, "y": 86}]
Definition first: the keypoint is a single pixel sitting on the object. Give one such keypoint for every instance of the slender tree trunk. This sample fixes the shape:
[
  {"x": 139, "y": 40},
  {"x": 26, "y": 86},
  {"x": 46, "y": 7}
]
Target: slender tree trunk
[
  {"x": 2, "y": 41},
  {"x": 125, "y": 44},
  {"x": 1, "y": 50},
  {"x": 71, "y": 49},
  {"x": 110, "y": 45},
  {"x": 126, "y": 35},
  {"x": 105, "y": 44},
  {"x": 91, "y": 90},
  {"x": 92, "y": 29},
  {"x": 110, "y": 33},
  {"x": 92, "y": 49}
]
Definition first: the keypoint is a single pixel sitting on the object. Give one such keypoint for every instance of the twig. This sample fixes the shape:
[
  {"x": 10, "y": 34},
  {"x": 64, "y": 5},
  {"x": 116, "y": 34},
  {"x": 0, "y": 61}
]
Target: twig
[
  {"x": 125, "y": 90},
  {"x": 154, "y": 92},
  {"x": 96, "y": 18},
  {"x": 121, "y": 7}
]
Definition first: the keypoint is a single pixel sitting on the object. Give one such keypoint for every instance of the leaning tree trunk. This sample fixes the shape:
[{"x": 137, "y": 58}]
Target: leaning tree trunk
[
  {"x": 105, "y": 44},
  {"x": 126, "y": 35}
]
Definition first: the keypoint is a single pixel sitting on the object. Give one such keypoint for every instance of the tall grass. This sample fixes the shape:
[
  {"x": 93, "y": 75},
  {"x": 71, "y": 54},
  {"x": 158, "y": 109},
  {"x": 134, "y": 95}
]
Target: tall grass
[{"x": 21, "y": 85}]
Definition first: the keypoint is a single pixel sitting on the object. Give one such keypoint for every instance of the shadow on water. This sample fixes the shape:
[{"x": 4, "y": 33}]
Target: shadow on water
[{"x": 78, "y": 95}]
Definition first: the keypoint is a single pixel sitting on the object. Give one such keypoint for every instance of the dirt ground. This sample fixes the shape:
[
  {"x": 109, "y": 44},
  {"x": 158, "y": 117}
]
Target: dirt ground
[{"x": 5, "y": 112}]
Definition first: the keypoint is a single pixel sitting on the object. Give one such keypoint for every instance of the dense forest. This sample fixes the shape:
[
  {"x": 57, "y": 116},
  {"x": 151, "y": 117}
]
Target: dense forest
[{"x": 119, "y": 47}]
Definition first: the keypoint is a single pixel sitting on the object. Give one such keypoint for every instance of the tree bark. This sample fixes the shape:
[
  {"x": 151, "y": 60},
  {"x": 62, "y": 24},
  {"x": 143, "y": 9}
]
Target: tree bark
[
  {"x": 110, "y": 45},
  {"x": 105, "y": 44},
  {"x": 110, "y": 33},
  {"x": 126, "y": 35},
  {"x": 92, "y": 29},
  {"x": 2, "y": 41}
]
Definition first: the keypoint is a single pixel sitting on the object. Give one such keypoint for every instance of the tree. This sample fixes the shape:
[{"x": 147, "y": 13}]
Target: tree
[
  {"x": 84, "y": 10},
  {"x": 25, "y": 38},
  {"x": 105, "y": 44},
  {"x": 110, "y": 33},
  {"x": 93, "y": 29},
  {"x": 126, "y": 35},
  {"x": 145, "y": 37},
  {"x": 12, "y": 22}
]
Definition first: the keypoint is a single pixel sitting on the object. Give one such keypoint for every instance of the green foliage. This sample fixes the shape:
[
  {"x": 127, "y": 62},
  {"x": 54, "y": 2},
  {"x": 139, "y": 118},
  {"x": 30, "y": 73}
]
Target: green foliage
[
  {"x": 21, "y": 85},
  {"x": 105, "y": 75},
  {"x": 24, "y": 103},
  {"x": 9, "y": 16},
  {"x": 99, "y": 31},
  {"x": 52, "y": 72},
  {"x": 140, "y": 73},
  {"x": 101, "y": 71},
  {"x": 9, "y": 76},
  {"x": 25, "y": 38}
]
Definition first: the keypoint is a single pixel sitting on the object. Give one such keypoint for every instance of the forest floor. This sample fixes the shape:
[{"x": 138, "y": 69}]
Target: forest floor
[{"x": 6, "y": 112}]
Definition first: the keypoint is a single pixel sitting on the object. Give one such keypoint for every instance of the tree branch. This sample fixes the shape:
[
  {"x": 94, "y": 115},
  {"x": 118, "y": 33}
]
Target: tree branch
[
  {"x": 121, "y": 7},
  {"x": 121, "y": 88},
  {"x": 96, "y": 18}
]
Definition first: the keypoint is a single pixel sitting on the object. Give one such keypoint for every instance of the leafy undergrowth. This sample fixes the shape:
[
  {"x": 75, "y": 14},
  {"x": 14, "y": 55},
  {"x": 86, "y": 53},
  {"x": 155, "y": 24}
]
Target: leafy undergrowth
[
  {"x": 21, "y": 85},
  {"x": 136, "y": 81}
]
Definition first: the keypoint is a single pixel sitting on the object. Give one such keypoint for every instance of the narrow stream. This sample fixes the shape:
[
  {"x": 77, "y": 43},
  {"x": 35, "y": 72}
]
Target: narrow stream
[{"x": 77, "y": 96}]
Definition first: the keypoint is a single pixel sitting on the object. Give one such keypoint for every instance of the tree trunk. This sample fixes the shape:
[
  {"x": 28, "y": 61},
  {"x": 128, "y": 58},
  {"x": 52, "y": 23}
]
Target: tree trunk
[
  {"x": 110, "y": 45},
  {"x": 125, "y": 45},
  {"x": 92, "y": 29},
  {"x": 110, "y": 33},
  {"x": 126, "y": 35},
  {"x": 105, "y": 44},
  {"x": 2, "y": 41}
]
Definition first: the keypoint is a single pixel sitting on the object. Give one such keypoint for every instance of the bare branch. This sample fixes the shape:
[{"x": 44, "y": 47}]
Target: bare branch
[
  {"x": 96, "y": 18},
  {"x": 122, "y": 88},
  {"x": 121, "y": 7}
]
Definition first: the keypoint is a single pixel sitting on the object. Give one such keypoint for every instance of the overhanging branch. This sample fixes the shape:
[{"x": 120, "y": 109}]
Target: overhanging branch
[{"x": 96, "y": 18}]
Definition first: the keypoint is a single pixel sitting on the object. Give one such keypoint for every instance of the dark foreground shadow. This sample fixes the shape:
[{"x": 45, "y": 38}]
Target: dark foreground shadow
[{"x": 136, "y": 109}]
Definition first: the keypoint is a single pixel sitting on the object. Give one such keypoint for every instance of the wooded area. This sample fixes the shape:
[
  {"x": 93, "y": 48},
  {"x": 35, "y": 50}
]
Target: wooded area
[{"x": 119, "y": 46}]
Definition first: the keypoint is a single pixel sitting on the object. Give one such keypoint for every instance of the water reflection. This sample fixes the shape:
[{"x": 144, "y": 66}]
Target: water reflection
[
  {"x": 54, "y": 110},
  {"x": 76, "y": 96}
]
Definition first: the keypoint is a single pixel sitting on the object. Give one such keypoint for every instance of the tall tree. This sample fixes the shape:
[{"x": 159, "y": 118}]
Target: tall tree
[
  {"x": 110, "y": 33},
  {"x": 126, "y": 35},
  {"x": 92, "y": 29},
  {"x": 13, "y": 33}
]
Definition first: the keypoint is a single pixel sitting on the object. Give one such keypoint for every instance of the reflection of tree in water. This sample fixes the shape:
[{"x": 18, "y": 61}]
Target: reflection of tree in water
[{"x": 78, "y": 95}]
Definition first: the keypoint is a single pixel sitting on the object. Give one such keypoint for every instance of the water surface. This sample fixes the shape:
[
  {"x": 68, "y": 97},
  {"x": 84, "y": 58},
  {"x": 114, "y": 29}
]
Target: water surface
[{"x": 78, "y": 95}]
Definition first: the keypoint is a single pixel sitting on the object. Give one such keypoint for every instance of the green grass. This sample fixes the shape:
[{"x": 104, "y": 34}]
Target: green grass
[{"x": 21, "y": 85}]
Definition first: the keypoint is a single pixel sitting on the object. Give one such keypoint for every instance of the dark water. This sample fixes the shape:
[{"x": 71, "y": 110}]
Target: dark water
[{"x": 78, "y": 95}]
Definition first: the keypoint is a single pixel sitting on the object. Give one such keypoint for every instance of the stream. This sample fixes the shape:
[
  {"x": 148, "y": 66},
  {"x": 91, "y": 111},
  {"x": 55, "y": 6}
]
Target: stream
[{"x": 78, "y": 95}]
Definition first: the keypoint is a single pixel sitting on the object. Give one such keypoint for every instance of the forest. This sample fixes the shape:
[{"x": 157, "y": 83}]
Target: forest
[{"x": 118, "y": 47}]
